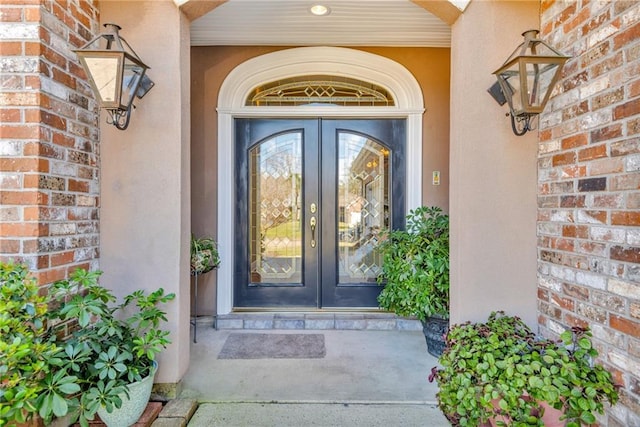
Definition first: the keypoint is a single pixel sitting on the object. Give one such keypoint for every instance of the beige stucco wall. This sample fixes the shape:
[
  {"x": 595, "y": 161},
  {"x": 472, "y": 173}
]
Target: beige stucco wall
[
  {"x": 145, "y": 198},
  {"x": 493, "y": 172},
  {"x": 146, "y": 170},
  {"x": 211, "y": 65}
]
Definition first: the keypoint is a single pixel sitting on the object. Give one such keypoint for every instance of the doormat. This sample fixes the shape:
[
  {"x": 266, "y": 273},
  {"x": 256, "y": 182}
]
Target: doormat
[{"x": 273, "y": 346}]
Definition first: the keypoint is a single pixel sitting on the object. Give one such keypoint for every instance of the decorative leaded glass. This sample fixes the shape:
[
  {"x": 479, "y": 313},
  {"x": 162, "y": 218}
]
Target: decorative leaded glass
[
  {"x": 334, "y": 90},
  {"x": 363, "y": 197},
  {"x": 275, "y": 196}
]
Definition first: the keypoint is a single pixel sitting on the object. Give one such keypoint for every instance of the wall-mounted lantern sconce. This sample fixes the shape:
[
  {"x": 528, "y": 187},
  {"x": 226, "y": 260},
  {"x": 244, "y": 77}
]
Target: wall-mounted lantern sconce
[
  {"x": 526, "y": 80},
  {"x": 116, "y": 73}
]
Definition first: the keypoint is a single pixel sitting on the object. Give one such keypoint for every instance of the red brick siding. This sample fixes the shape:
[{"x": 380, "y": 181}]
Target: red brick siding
[
  {"x": 49, "y": 153},
  {"x": 589, "y": 160}
]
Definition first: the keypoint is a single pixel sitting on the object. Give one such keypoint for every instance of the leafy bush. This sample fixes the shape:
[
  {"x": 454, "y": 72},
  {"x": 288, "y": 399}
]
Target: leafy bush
[
  {"x": 31, "y": 375},
  {"x": 415, "y": 266},
  {"x": 114, "y": 344},
  {"x": 44, "y": 371},
  {"x": 501, "y": 370}
]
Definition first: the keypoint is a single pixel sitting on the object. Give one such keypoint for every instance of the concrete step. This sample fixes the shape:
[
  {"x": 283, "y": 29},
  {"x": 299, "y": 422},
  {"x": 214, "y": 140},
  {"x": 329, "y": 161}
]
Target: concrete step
[
  {"x": 317, "y": 414},
  {"x": 313, "y": 321},
  {"x": 176, "y": 413}
]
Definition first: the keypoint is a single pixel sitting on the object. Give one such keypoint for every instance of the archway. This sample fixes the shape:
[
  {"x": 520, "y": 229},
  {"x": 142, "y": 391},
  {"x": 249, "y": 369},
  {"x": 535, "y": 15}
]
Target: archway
[{"x": 351, "y": 63}]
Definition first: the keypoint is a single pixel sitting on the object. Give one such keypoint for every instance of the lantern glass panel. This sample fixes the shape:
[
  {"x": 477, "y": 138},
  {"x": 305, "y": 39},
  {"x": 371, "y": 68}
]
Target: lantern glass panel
[
  {"x": 131, "y": 77},
  {"x": 509, "y": 80},
  {"x": 540, "y": 77},
  {"x": 104, "y": 71}
]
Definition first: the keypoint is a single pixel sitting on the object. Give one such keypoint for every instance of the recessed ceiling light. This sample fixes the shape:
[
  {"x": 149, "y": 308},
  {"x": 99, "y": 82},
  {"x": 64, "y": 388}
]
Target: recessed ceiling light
[{"x": 320, "y": 10}]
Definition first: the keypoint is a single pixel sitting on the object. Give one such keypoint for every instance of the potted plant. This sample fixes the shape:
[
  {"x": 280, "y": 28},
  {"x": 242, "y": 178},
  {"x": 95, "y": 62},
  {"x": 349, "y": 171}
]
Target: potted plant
[
  {"x": 500, "y": 372},
  {"x": 31, "y": 379},
  {"x": 111, "y": 348},
  {"x": 415, "y": 273},
  {"x": 204, "y": 258},
  {"x": 204, "y": 255}
]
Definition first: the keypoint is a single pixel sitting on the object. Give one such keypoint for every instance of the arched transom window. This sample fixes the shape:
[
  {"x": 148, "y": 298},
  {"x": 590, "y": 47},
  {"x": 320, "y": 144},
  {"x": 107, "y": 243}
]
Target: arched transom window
[{"x": 320, "y": 89}]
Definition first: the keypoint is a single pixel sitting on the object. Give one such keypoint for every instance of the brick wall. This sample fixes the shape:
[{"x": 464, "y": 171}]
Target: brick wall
[
  {"x": 589, "y": 181},
  {"x": 49, "y": 151}
]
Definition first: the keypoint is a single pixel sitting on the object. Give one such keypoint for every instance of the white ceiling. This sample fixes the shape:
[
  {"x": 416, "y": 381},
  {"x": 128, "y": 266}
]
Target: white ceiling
[{"x": 290, "y": 23}]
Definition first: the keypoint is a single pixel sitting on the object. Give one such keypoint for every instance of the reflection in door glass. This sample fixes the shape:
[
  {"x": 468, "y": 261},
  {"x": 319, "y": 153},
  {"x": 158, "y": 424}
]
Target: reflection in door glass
[
  {"x": 275, "y": 200},
  {"x": 363, "y": 206}
]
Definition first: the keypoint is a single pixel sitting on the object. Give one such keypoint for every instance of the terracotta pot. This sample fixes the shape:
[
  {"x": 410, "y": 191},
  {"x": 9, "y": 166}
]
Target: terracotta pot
[
  {"x": 36, "y": 421},
  {"x": 551, "y": 416},
  {"x": 493, "y": 421}
]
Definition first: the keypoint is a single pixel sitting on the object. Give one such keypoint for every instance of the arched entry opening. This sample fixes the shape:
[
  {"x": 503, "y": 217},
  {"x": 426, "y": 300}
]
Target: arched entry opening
[{"x": 347, "y": 63}]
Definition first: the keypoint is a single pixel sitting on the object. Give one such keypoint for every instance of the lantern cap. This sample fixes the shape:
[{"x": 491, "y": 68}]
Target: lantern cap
[
  {"x": 533, "y": 47},
  {"x": 112, "y": 36}
]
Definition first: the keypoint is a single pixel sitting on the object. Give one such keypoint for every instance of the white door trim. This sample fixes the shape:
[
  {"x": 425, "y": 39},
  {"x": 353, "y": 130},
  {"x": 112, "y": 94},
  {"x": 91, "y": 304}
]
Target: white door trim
[{"x": 352, "y": 63}]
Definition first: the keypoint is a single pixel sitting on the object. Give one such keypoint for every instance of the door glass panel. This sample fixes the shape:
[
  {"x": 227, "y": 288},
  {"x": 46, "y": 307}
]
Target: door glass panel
[
  {"x": 363, "y": 206},
  {"x": 275, "y": 200}
]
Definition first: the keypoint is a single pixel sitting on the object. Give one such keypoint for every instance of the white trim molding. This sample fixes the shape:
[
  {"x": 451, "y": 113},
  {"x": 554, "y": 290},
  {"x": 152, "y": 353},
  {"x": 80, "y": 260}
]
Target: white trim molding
[{"x": 336, "y": 61}]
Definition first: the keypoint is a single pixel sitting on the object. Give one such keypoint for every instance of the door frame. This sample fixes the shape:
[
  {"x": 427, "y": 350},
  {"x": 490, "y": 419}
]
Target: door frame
[{"x": 282, "y": 64}]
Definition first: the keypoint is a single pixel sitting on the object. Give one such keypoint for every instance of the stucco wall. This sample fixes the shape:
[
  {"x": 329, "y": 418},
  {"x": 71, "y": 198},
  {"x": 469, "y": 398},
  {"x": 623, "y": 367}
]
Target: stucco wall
[
  {"x": 493, "y": 172},
  {"x": 145, "y": 201},
  {"x": 210, "y": 66}
]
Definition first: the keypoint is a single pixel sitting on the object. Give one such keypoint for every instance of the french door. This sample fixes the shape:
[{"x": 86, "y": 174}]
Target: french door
[{"x": 312, "y": 199}]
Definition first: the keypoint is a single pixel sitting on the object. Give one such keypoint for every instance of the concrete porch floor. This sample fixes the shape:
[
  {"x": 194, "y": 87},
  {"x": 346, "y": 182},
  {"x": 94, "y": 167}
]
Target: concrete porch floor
[{"x": 367, "y": 378}]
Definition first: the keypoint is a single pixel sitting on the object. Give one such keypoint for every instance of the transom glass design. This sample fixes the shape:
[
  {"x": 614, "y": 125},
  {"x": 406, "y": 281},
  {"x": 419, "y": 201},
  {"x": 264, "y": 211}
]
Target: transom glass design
[
  {"x": 323, "y": 89},
  {"x": 363, "y": 206},
  {"x": 275, "y": 206}
]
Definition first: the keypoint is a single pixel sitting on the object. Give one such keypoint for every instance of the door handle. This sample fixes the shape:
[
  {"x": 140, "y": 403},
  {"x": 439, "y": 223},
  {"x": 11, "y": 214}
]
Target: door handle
[{"x": 312, "y": 223}]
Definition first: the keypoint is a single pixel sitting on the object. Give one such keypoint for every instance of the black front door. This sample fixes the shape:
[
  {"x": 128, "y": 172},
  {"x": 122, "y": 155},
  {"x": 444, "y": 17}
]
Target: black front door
[{"x": 312, "y": 198}]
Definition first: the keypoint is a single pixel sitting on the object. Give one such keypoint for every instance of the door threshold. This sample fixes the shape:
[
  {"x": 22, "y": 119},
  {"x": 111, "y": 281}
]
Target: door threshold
[{"x": 316, "y": 320}]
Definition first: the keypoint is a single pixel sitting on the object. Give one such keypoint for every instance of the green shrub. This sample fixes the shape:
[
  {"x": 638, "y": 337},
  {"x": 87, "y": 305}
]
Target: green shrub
[
  {"x": 114, "y": 345},
  {"x": 31, "y": 378},
  {"x": 415, "y": 266},
  {"x": 110, "y": 346},
  {"x": 501, "y": 370}
]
